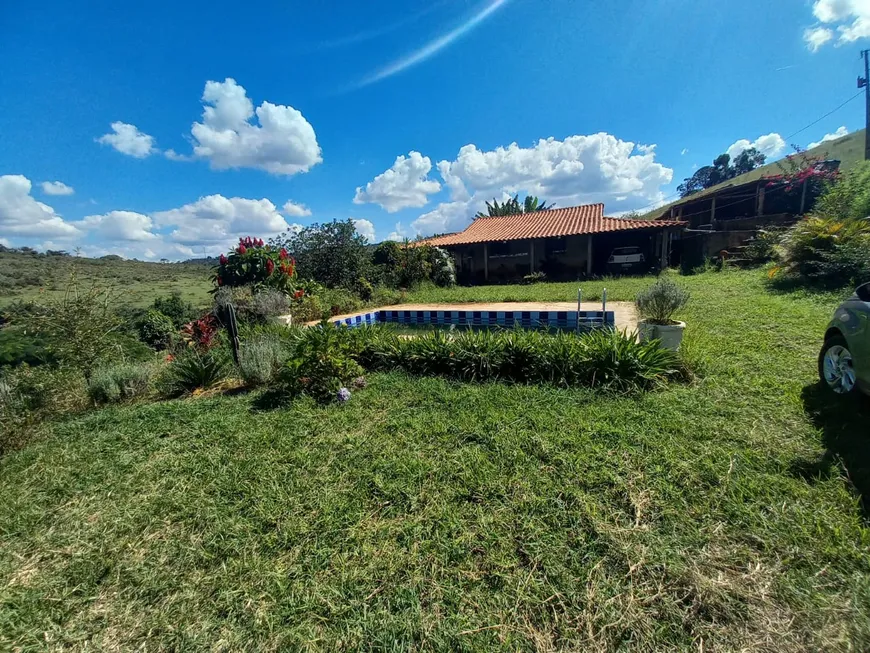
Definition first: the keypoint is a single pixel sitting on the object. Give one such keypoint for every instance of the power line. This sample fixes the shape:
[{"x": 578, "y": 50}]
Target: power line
[
  {"x": 815, "y": 122},
  {"x": 790, "y": 136}
]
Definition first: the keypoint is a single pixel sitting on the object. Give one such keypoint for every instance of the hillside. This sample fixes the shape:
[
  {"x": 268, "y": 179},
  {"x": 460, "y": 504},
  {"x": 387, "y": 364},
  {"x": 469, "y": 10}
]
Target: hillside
[
  {"x": 848, "y": 150},
  {"x": 26, "y": 276}
]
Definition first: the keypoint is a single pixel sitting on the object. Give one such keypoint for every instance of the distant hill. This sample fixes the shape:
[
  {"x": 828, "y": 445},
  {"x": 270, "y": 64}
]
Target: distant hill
[
  {"x": 848, "y": 150},
  {"x": 28, "y": 275}
]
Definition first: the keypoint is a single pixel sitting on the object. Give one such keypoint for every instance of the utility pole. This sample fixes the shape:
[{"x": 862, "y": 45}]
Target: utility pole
[{"x": 864, "y": 82}]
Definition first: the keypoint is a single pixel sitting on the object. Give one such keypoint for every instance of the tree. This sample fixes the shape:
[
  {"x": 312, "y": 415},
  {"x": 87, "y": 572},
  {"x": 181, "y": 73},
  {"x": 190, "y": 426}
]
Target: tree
[
  {"x": 747, "y": 161},
  {"x": 722, "y": 169},
  {"x": 333, "y": 254},
  {"x": 513, "y": 207}
]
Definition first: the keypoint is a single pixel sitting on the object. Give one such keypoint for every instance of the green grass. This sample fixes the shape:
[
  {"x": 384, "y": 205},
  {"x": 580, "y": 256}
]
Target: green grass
[
  {"x": 27, "y": 277},
  {"x": 429, "y": 515}
]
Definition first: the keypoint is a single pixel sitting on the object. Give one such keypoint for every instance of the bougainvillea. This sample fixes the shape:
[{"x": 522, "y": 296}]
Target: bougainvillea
[{"x": 798, "y": 168}]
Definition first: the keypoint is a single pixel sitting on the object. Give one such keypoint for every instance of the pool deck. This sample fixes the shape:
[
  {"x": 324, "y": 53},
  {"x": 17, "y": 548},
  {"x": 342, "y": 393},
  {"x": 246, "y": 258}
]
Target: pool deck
[{"x": 624, "y": 312}]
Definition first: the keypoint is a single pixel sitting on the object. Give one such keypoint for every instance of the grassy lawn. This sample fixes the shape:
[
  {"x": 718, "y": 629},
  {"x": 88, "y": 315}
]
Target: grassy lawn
[{"x": 719, "y": 516}]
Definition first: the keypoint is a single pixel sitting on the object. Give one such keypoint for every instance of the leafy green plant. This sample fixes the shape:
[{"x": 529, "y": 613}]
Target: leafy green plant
[
  {"x": 605, "y": 359},
  {"x": 193, "y": 369},
  {"x": 827, "y": 250},
  {"x": 119, "y": 382},
  {"x": 321, "y": 364},
  {"x": 659, "y": 302},
  {"x": 157, "y": 330},
  {"x": 619, "y": 362}
]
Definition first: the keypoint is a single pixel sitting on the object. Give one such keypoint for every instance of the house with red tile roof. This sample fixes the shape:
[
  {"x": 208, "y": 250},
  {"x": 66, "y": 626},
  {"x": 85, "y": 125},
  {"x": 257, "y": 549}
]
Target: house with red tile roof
[{"x": 566, "y": 243}]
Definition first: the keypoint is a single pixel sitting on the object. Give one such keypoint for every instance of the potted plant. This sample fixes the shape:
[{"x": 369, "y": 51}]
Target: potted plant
[{"x": 655, "y": 306}]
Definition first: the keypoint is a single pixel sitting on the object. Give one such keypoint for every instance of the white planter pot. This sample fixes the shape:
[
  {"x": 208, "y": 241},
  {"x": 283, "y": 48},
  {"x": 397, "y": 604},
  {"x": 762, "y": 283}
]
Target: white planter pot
[{"x": 670, "y": 336}]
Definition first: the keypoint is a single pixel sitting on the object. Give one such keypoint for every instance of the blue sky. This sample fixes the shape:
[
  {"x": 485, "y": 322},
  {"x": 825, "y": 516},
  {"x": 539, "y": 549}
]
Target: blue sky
[{"x": 173, "y": 128}]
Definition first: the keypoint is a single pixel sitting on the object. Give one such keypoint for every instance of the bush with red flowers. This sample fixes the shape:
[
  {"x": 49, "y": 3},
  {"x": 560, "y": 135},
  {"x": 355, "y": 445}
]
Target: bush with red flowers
[{"x": 258, "y": 265}]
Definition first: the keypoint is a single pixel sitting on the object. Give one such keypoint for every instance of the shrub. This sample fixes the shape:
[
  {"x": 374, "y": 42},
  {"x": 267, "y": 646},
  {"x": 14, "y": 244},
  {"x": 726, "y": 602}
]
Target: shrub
[
  {"x": 79, "y": 329},
  {"x": 261, "y": 357},
  {"x": 828, "y": 250},
  {"x": 333, "y": 254},
  {"x": 193, "y": 369},
  {"x": 660, "y": 301},
  {"x": 443, "y": 269},
  {"x": 175, "y": 308},
  {"x": 364, "y": 289},
  {"x": 340, "y": 301},
  {"x": 849, "y": 197},
  {"x": 763, "y": 248},
  {"x": 406, "y": 266},
  {"x": 321, "y": 364},
  {"x": 269, "y": 304},
  {"x": 309, "y": 309},
  {"x": 157, "y": 330},
  {"x": 255, "y": 264},
  {"x": 383, "y": 296},
  {"x": 119, "y": 382}
]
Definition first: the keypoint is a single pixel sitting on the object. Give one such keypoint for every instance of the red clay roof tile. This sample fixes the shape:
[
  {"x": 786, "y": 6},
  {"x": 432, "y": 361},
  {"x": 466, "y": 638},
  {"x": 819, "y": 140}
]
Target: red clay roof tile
[{"x": 570, "y": 221}]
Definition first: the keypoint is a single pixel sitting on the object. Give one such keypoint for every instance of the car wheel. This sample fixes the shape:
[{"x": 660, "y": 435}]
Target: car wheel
[{"x": 836, "y": 369}]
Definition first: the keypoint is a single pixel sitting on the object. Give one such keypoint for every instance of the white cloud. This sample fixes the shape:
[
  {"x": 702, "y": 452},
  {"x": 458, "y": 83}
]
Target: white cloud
[
  {"x": 435, "y": 46},
  {"x": 56, "y": 188},
  {"x": 295, "y": 210},
  {"x": 816, "y": 37},
  {"x": 215, "y": 221},
  {"x": 577, "y": 170},
  {"x": 833, "y": 11},
  {"x": 769, "y": 145},
  {"x": 405, "y": 185},
  {"x": 850, "y": 17},
  {"x": 127, "y": 139},
  {"x": 172, "y": 155},
  {"x": 5, "y": 242},
  {"x": 684, "y": 151},
  {"x": 21, "y": 215},
  {"x": 121, "y": 225},
  {"x": 399, "y": 233},
  {"x": 842, "y": 131},
  {"x": 365, "y": 228},
  {"x": 647, "y": 149},
  {"x": 283, "y": 143}
]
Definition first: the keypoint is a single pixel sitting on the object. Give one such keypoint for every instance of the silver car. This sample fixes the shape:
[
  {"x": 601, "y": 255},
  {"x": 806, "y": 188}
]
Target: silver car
[{"x": 844, "y": 362}]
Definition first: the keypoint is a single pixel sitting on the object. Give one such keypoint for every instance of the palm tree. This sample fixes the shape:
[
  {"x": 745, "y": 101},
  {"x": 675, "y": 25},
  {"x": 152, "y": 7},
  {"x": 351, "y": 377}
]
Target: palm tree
[{"x": 513, "y": 207}]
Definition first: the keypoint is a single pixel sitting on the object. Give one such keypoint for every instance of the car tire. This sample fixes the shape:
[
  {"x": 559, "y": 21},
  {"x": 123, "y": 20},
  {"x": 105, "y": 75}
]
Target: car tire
[{"x": 836, "y": 371}]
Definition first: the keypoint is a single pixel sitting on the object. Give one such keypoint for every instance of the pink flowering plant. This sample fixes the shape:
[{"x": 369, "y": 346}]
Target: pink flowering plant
[{"x": 798, "y": 169}]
